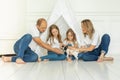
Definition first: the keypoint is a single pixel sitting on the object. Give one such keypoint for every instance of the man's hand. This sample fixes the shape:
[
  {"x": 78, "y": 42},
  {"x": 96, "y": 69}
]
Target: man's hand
[{"x": 58, "y": 51}]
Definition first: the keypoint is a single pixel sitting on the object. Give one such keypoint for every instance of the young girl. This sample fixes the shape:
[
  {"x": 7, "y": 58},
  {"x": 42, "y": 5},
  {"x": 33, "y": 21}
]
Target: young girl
[
  {"x": 93, "y": 49},
  {"x": 54, "y": 40},
  {"x": 71, "y": 43}
]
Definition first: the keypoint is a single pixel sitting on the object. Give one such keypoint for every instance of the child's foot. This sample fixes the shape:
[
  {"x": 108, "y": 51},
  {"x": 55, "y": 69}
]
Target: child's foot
[
  {"x": 108, "y": 59},
  {"x": 6, "y": 59},
  {"x": 19, "y": 61},
  {"x": 46, "y": 60},
  {"x": 39, "y": 60},
  {"x": 69, "y": 59}
]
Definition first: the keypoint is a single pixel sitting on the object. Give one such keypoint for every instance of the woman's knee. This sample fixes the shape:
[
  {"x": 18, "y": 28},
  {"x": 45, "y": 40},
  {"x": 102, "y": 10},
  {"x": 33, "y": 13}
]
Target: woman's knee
[
  {"x": 106, "y": 36},
  {"x": 85, "y": 58}
]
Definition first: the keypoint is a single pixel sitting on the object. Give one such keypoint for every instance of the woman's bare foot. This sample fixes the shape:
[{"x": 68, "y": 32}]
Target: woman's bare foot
[
  {"x": 100, "y": 59},
  {"x": 108, "y": 59},
  {"x": 6, "y": 59},
  {"x": 19, "y": 61}
]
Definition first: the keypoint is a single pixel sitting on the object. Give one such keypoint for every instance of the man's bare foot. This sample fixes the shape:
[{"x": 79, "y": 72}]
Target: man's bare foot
[
  {"x": 6, "y": 59},
  {"x": 108, "y": 59},
  {"x": 19, "y": 61}
]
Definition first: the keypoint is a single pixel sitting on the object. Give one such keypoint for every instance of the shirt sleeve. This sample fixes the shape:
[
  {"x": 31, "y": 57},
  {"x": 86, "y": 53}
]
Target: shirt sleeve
[
  {"x": 95, "y": 39},
  {"x": 34, "y": 32}
]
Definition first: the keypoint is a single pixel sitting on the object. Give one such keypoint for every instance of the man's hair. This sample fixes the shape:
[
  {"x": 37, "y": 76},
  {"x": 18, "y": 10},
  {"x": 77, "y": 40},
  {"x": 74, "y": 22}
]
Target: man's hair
[{"x": 39, "y": 21}]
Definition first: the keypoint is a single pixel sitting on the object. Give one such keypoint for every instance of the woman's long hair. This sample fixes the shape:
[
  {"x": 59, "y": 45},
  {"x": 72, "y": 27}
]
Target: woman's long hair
[{"x": 89, "y": 26}]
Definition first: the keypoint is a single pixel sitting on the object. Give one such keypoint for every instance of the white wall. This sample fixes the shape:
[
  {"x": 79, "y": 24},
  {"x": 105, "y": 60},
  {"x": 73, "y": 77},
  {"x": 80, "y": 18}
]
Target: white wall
[
  {"x": 22, "y": 14},
  {"x": 12, "y": 23}
]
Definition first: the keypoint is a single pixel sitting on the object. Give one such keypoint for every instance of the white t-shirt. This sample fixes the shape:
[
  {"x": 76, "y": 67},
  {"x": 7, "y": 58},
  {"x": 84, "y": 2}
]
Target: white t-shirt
[
  {"x": 94, "y": 41},
  {"x": 65, "y": 42},
  {"x": 54, "y": 43},
  {"x": 33, "y": 45}
]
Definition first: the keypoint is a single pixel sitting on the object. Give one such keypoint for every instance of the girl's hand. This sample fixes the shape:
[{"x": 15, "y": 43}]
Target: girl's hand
[
  {"x": 72, "y": 48},
  {"x": 61, "y": 45},
  {"x": 77, "y": 50},
  {"x": 80, "y": 50}
]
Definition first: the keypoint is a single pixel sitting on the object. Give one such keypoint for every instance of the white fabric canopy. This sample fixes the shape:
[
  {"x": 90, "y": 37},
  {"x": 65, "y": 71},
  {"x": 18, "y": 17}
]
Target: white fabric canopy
[{"x": 64, "y": 18}]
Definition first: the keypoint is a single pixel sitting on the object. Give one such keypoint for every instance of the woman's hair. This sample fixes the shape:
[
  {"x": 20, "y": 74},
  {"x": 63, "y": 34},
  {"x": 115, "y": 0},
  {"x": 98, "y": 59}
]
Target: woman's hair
[
  {"x": 72, "y": 32},
  {"x": 50, "y": 35},
  {"x": 89, "y": 26}
]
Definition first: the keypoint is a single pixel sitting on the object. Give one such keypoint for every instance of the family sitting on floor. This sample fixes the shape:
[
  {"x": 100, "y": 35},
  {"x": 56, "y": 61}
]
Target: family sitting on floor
[{"x": 92, "y": 48}]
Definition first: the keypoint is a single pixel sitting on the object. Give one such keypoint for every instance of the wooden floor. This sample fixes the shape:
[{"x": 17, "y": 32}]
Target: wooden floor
[{"x": 61, "y": 70}]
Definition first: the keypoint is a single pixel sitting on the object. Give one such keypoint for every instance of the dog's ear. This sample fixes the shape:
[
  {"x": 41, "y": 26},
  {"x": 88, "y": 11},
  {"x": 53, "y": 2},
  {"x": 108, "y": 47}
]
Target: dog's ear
[{"x": 65, "y": 48}]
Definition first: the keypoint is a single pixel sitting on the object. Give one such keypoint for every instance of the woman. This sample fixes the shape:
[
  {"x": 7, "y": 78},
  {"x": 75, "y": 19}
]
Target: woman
[{"x": 93, "y": 49}]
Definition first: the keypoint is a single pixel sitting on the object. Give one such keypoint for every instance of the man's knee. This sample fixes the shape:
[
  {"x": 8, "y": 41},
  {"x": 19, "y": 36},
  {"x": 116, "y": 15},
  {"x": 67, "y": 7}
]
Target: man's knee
[{"x": 34, "y": 58}]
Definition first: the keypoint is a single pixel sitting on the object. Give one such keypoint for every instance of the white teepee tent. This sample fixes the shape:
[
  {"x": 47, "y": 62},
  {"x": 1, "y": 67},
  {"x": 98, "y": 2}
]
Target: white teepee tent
[{"x": 64, "y": 18}]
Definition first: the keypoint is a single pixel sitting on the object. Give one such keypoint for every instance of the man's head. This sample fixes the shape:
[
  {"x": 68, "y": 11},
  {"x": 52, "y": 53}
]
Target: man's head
[{"x": 41, "y": 24}]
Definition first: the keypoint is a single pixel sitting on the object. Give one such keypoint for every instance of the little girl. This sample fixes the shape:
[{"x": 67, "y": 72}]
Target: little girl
[
  {"x": 70, "y": 43},
  {"x": 54, "y": 40}
]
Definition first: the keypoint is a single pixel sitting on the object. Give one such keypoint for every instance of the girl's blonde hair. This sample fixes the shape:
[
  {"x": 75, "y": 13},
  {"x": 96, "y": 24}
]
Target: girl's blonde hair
[
  {"x": 50, "y": 35},
  {"x": 72, "y": 32},
  {"x": 89, "y": 26}
]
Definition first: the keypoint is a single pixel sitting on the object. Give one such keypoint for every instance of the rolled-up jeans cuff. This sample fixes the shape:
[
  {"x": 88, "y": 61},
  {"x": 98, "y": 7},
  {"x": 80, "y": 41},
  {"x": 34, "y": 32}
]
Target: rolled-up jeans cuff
[{"x": 103, "y": 51}]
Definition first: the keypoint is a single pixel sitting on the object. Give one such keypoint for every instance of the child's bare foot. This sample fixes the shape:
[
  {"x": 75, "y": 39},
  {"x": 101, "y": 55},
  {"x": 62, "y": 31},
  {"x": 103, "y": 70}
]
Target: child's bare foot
[
  {"x": 6, "y": 59},
  {"x": 19, "y": 61},
  {"x": 39, "y": 60},
  {"x": 46, "y": 60},
  {"x": 108, "y": 59},
  {"x": 69, "y": 59}
]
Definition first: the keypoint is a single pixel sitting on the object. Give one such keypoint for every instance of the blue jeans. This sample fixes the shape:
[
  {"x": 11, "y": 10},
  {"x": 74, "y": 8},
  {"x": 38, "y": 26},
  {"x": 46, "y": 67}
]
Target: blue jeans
[
  {"x": 94, "y": 55},
  {"x": 52, "y": 56},
  {"x": 23, "y": 51}
]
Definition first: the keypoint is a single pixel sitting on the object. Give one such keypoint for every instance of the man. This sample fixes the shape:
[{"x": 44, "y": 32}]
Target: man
[{"x": 27, "y": 47}]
